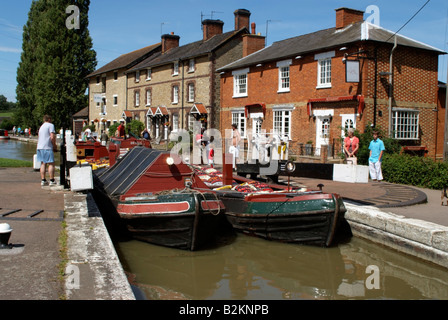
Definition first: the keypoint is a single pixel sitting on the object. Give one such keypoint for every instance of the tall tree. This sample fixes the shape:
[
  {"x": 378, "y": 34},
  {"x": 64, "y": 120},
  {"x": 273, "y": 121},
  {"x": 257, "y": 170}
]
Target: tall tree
[{"x": 55, "y": 62}]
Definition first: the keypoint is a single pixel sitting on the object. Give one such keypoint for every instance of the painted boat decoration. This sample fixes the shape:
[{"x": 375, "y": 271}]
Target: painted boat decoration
[
  {"x": 280, "y": 213},
  {"x": 152, "y": 198}
]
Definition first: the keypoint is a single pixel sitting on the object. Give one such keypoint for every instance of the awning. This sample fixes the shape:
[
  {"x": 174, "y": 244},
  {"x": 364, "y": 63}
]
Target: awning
[
  {"x": 198, "y": 108},
  {"x": 257, "y": 107},
  {"x": 358, "y": 98},
  {"x": 127, "y": 114},
  {"x": 151, "y": 112}
]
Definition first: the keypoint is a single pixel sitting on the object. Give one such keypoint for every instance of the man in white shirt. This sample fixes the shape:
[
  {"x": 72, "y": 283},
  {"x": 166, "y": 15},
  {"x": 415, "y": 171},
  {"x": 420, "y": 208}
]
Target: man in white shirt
[{"x": 46, "y": 146}]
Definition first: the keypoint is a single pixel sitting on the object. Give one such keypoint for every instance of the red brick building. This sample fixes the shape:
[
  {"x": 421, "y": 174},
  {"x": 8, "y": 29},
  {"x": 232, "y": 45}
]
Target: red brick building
[{"x": 315, "y": 86}]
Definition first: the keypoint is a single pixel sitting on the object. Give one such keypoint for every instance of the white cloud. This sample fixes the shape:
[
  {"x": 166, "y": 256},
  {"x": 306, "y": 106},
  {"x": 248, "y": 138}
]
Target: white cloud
[{"x": 8, "y": 49}]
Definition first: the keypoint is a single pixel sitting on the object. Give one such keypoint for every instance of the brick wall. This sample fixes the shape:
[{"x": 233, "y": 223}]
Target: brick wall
[{"x": 415, "y": 88}]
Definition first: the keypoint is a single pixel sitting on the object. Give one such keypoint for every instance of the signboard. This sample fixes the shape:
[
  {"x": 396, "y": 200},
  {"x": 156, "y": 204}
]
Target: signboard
[
  {"x": 352, "y": 71},
  {"x": 98, "y": 98}
]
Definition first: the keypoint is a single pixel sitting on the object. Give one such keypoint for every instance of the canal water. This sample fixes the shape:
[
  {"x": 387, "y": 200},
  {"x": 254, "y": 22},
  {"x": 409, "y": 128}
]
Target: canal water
[
  {"x": 20, "y": 150},
  {"x": 241, "y": 267}
]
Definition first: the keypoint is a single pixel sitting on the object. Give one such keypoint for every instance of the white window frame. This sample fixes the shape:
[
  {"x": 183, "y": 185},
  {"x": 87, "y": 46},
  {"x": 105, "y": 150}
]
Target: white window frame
[
  {"x": 148, "y": 74},
  {"x": 284, "y": 74},
  {"x": 175, "y": 68},
  {"x": 191, "y": 65},
  {"x": 282, "y": 121},
  {"x": 191, "y": 92},
  {"x": 148, "y": 97},
  {"x": 175, "y": 122},
  {"x": 137, "y": 76},
  {"x": 240, "y": 89},
  {"x": 175, "y": 94},
  {"x": 115, "y": 100},
  {"x": 137, "y": 98},
  {"x": 407, "y": 126},
  {"x": 324, "y": 69},
  {"x": 239, "y": 118},
  {"x": 115, "y": 74}
]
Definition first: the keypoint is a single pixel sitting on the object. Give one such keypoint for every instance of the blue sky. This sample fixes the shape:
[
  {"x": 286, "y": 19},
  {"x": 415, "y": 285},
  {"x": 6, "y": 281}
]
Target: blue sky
[{"x": 118, "y": 26}]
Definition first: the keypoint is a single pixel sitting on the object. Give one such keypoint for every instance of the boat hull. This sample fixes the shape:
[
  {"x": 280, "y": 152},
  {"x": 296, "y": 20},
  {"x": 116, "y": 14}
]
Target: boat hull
[
  {"x": 186, "y": 221},
  {"x": 311, "y": 219}
]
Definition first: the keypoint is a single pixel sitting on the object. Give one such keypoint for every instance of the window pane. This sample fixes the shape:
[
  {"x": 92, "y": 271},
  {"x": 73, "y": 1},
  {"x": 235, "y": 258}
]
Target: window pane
[
  {"x": 405, "y": 124},
  {"x": 284, "y": 78}
]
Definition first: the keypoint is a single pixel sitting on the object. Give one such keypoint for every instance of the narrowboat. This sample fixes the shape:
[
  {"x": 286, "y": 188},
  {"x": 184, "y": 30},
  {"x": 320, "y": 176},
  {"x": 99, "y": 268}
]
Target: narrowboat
[
  {"x": 159, "y": 200},
  {"x": 280, "y": 212}
]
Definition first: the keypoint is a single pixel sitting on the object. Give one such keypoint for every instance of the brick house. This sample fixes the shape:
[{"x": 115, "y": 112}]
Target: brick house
[
  {"x": 172, "y": 88},
  {"x": 315, "y": 86},
  {"x": 108, "y": 83}
]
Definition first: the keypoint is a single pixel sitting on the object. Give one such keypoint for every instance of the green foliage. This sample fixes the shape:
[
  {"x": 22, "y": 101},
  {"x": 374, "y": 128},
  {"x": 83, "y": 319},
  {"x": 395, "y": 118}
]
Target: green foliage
[
  {"x": 92, "y": 127},
  {"x": 6, "y": 124},
  {"x": 5, "y": 105},
  {"x": 416, "y": 171},
  {"x": 12, "y": 163},
  {"x": 113, "y": 129},
  {"x": 54, "y": 64},
  {"x": 135, "y": 127}
]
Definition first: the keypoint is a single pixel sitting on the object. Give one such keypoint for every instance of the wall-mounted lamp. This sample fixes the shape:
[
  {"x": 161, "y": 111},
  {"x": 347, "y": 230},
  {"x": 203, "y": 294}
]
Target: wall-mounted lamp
[
  {"x": 343, "y": 48},
  {"x": 383, "y": 74},
  {"x": 299, "y": 57},
  {"x": 259, "y": 65}
]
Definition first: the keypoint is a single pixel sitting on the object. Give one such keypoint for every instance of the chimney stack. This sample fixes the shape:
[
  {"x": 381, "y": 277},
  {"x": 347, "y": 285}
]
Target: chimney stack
[
  {"x": 211, "y": 28},
  {"x": 169, "y": 41},
  {"x": 347, "y": 16},
  {"x": 242, "y": 18},
  {"x": 252, "y": 42}
]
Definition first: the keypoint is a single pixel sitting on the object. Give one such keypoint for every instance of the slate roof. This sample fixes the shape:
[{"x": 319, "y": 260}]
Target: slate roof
[
  {"x": 325, "y": 40},
  {"x": 126, "y": 60},
  {"x": 188, "y": 51}
]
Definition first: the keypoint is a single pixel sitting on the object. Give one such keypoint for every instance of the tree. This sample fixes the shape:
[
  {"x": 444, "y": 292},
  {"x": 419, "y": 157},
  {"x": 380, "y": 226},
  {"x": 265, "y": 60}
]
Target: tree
[{"x": 54, "y": 64}]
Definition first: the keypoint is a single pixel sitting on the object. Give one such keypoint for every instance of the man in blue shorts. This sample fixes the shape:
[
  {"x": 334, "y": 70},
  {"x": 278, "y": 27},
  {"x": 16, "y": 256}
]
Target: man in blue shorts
[{"x": 46, "y": 146}]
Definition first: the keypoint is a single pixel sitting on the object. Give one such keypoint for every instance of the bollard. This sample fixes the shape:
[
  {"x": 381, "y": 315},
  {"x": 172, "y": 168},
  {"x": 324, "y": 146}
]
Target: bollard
[{"x": 5, "y": 233}]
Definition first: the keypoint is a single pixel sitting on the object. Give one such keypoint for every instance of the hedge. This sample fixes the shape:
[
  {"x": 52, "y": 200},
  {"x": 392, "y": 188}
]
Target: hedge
[{"x": 416, "y": 171}]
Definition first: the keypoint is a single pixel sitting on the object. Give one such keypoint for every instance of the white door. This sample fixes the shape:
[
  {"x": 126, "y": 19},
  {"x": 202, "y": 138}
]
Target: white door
[{"x": 322, "y": 132}]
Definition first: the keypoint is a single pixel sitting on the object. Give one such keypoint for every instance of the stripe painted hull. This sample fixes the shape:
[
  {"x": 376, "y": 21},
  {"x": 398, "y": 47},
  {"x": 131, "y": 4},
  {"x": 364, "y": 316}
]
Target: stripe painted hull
[
  {"x": 308, "y": 218},
  {"x": 188, "y": 221}
]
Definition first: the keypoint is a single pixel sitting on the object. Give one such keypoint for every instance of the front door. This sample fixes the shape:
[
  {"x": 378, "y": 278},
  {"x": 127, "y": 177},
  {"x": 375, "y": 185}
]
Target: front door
[{"x": 322, "y": 132}]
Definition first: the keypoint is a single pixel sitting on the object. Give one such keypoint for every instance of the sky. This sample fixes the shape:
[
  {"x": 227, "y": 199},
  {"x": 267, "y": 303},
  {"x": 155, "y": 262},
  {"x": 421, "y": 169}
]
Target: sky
[{"x": 118, "y": 26}]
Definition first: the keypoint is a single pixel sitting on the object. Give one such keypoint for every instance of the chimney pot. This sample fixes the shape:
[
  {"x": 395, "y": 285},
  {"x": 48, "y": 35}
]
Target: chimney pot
[
  {"x": 242, "y": 18},
  {"x": 169, "y": 41},
  {"x": 252, "y": 27},
  {"x": 211, "y": 28}
]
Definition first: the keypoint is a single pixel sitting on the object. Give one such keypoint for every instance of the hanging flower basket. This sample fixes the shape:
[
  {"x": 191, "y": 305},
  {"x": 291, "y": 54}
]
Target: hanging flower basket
[
  {"x": 96, "y": 120},
  {"x": 166, "y": 124}
]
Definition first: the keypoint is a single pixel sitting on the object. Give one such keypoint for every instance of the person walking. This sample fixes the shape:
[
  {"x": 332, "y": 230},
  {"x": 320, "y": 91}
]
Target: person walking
[
  {"x": 377, "y": 149},
  {"x": 46, "y": 146}
]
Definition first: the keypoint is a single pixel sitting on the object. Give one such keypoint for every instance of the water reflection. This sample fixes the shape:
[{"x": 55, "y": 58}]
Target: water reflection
[
  {"x": 253, "y": 268},
  {"x": 20, "y": 150}
]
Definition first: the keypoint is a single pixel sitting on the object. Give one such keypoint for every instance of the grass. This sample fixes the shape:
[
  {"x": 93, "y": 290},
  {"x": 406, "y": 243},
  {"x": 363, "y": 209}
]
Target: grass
[{"x": 12, "y": 163}]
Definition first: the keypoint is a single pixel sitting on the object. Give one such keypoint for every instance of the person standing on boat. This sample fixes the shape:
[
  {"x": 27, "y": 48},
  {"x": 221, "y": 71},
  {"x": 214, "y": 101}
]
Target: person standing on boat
[
  {"x": 120, "y": 130},
  {"x": 145, "y": 134},
  {"x": 235, "y": 147},
  {"x": 46, "y": 146},
  {"x": 377, "y": 149}
]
